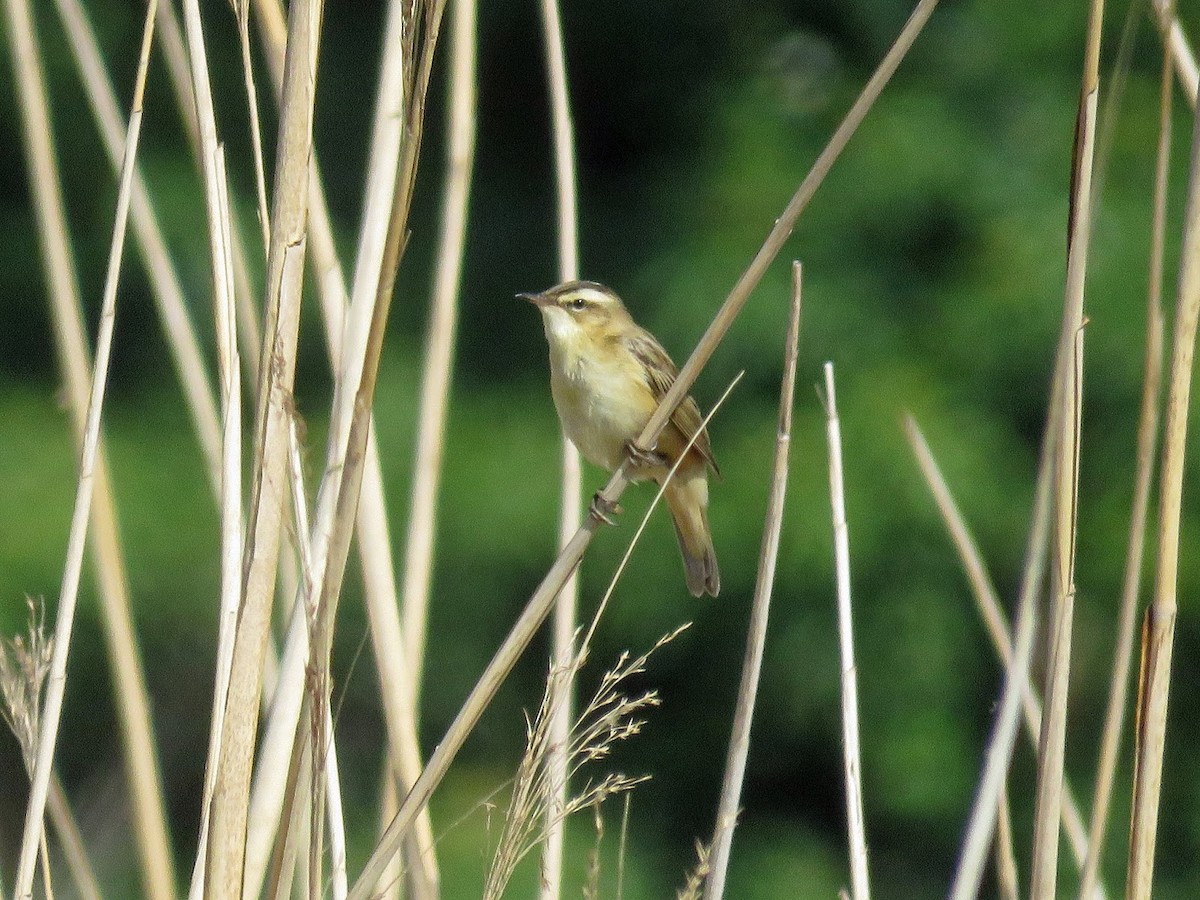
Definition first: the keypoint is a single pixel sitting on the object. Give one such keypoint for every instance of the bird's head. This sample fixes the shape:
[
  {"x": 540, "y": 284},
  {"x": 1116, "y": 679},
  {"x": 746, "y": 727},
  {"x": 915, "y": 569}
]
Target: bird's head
[{"x": 579, "y": 310}]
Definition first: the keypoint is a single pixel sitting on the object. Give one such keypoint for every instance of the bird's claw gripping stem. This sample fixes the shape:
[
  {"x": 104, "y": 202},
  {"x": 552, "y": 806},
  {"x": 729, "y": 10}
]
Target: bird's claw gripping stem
[
  {"x": 643, "y": 458},
  {"x": 602, "y": 509}
]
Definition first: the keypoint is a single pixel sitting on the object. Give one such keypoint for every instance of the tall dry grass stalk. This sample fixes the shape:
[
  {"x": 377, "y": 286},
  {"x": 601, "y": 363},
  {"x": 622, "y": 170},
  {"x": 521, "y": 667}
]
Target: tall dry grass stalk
[
  {"x": 439, "y": 340},
  {"x": 1007, "y": 882},
  {"x": 1159, "y": 628},
  {"x": 164, "y": 279},
  {"x": 756, "y": 633},
  {"x": 68, "y": 597},
  {"x": 1175, "y": 44},
  {"x": 540, "y": 603},
  {"x": 571, "y": 509},
  {"x": 983, "y": 590},
  {"x": 43, "y": 757},
  {"x": 132, "y": 704},
  {"x": 1146, "y": 442},
  {"x": 432, "y": 415},
  {"x": 851, "y": 752},
  {"x": 1051, "y": 745},
  {"x": 981, "y": 823},
  {"x": 373, "y": 533},
  {"x": 362, "y": 346},
  {"x": 285, "y": 270}
]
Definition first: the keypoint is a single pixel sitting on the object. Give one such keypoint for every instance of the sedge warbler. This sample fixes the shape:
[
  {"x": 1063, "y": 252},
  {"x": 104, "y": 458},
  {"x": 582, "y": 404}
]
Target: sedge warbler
[{"x": 607, "y": 375}]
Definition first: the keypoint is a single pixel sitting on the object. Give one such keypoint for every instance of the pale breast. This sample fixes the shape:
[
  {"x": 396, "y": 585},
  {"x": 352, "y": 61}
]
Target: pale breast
[{"x": 602, "y": 407}]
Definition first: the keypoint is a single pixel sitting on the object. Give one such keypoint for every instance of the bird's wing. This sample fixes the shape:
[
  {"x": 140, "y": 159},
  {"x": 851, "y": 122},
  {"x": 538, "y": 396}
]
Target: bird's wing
[{"x": 660, "y": 375}]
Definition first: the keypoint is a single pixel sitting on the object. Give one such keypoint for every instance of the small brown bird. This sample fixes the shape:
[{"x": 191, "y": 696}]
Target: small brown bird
[{"x": 608, "y": 375}]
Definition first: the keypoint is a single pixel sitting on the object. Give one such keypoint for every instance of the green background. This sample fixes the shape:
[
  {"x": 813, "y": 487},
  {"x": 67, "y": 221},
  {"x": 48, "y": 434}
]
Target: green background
[{"x": 934, "y": 266}]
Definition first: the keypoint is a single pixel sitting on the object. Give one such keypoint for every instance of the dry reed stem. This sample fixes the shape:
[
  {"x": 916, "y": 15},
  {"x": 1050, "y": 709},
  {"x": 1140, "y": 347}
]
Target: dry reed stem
[
  {"x": 286, "y": 857},
  {"x": 52, "y": 711},
  {"x": 984, "y": 810},
  {"x": 285, "y": 273},
  {"x": 852, "y": 754},
  {"x": 395, "y": 673},
  {"x": 756, "y": 633},
  {"x": 1146, "y": 440},
  {"x": 540, "y": 602},
  {"x": 317, "y": 700},
  {"x": 268, "y": 787},
  {"x": 83, "y": 876},
  {"x": 1159, "y": 629},
  {"x": 439, "y": 340},
  {"x": 215, "y": 443},
  {"x": 1051, "y": 745},
  {"x": 132, "y": 703},
  {"x": 1007, "y": 883},
  {"x": 242, "y": 11},
  {"x": 200, "y": 124},
  {"x": 373, "y": 539},
  {"x": 175, "y": 56},
  {"x": 984, "y": 592},
  {"x": 230, "y": 502},
  {"x": 571, "y": 483},
  {"x": 374, "y": 545},
  {"x": 170, "y": 304},
  {"x": 362, "y": 347},
  {"x": 1176, "y": 46}
]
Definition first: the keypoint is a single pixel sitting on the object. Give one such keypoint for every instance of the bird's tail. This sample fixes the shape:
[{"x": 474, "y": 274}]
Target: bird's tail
[{"x": 687, "y": 497}]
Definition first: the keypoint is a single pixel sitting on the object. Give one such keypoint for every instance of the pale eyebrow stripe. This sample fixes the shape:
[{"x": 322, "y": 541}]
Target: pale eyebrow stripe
[{"x": 590, "y": 294}]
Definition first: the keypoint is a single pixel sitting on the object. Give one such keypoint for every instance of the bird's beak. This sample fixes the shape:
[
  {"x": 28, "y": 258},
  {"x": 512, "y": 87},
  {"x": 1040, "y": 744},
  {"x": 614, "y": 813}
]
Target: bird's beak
[{"x": 535, "y": 299}]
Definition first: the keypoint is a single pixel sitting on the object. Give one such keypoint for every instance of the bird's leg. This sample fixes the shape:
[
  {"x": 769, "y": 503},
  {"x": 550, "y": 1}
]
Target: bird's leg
[
  {"x": 602, "y": 509},
  {"x": 643, "y": 458}
]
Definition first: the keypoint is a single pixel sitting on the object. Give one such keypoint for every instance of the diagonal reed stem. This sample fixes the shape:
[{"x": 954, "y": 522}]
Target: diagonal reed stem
[
  {"x": 988, "y": 603},
  {"x": 540, "y": 603},
  {"x": 69, "y": 594},
  {"x": 149, "y": 817}
]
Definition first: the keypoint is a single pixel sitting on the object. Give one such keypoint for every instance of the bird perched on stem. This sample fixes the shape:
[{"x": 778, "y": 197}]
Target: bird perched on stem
[{"x": 607, "y": 375}]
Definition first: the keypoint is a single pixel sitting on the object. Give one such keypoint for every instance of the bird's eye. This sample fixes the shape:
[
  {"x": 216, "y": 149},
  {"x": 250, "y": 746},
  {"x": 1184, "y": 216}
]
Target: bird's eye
[{"x": 578, "y": 304}]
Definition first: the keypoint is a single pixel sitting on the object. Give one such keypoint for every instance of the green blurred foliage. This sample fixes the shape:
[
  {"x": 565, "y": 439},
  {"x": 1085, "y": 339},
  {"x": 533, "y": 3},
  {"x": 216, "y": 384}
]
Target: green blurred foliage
[{"x": 934, "y": 268}]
